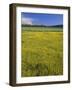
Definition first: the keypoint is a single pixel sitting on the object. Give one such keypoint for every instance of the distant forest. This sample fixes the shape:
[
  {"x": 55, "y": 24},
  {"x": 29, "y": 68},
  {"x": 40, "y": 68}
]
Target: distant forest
[{"x": 54, "y": 26}]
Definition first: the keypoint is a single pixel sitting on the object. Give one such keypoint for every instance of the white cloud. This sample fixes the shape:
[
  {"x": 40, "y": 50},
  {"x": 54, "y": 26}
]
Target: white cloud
[{"x": 26, "y": 20}]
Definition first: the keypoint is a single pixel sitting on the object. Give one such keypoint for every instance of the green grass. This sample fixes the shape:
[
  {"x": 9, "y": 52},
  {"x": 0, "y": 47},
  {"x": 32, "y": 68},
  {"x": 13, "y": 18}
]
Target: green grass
[
  {"x": 42, "y": 53},
  {"x": 40, "y": 29}
]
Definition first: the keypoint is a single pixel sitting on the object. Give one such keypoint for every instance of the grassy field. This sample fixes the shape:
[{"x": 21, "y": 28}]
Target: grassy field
[
  {"x": 42, "y": 52},
  {"x": 40, "y": 29}
]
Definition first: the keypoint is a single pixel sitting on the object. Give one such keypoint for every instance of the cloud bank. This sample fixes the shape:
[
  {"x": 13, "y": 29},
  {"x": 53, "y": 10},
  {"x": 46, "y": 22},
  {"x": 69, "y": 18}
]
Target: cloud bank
[{"x": 28, "y": 21}]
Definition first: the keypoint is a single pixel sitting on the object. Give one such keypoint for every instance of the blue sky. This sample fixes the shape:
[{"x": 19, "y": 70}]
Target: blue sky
[{"x": 41, "y": 19}]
